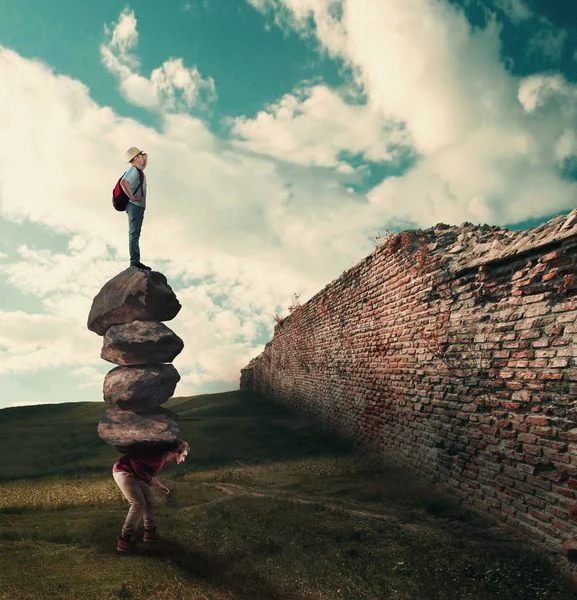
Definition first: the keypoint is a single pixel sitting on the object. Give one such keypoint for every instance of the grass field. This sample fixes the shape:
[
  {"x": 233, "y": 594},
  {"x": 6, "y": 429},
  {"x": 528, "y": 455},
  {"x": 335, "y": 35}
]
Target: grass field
[{"x": 265, "y": 508}]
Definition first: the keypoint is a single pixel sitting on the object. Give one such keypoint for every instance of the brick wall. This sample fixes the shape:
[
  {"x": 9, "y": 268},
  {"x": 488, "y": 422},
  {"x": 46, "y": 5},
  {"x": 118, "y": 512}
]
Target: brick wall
[{"x": 453, "y": 350}]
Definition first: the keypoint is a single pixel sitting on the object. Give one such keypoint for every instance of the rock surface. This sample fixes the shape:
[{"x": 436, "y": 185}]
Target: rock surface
[
  {"x": 133, "y": 295},
  {"x": 140, "y": 343},
  {"x": 124, "y": 429},
  {"x": 140, "y": 388},
  {"x": 469, "y": 245}
]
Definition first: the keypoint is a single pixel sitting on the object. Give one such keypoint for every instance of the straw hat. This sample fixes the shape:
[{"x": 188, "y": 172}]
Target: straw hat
[{"x": 132, "y": 152}]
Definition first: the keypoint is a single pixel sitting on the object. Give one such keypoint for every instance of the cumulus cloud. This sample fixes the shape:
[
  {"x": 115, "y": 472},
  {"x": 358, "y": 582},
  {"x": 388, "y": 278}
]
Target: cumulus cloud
[
  {"x": 516, "y": 10},
  {"x": 548, "y": 41},
  {"x": 324, "y": 15},
  {"x": 315, "y": 126},
  {"x": 89, "y": 377},
  {"x": 481, "y": 155},
  {"x": 554, "y": 91},
  {"x": 30, "y": 342},
  {"x": 170, "y": 87},
  {"x": 566, "y": 147}
]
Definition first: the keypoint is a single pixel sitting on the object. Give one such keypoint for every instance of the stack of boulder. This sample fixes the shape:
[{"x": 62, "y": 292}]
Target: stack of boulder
[{"x": 128, "y": 311}]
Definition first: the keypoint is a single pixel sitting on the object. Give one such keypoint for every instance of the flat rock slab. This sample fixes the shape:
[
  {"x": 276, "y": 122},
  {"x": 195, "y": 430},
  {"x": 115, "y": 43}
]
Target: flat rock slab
[
  {"x": 140, "y": 343},
  {"x": 125, "y": 429},
  {"x": 133, "y": 295},
  {"x": 140, "y": 389}
]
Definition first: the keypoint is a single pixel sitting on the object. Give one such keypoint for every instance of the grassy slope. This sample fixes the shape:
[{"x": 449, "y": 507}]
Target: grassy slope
[{"x": 60, "y": 513}]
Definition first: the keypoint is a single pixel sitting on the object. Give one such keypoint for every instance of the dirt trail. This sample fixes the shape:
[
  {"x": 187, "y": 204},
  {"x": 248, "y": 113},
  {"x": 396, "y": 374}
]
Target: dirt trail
[
  {"x": 431, "y": 526},
  {"x": 237, "y": 490}
]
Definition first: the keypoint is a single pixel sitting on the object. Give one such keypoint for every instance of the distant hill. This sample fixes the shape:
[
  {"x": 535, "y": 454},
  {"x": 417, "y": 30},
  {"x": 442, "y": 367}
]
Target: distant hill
[{"x": 61, "y": 439}]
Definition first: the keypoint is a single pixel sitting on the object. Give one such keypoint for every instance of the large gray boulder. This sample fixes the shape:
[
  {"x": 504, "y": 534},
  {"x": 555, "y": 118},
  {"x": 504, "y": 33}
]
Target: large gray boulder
[
  {"x": 133, "y": 295},
  {"x": 140, "y": 388},
  {"x": 140, "y": 343},
  {"x": 125, "y": 429}
]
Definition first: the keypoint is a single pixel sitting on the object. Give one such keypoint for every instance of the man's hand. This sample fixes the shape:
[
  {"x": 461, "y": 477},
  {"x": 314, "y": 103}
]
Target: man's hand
[
  {"x": 163, "y": 489},
  {"x": 137, "y": 198}
]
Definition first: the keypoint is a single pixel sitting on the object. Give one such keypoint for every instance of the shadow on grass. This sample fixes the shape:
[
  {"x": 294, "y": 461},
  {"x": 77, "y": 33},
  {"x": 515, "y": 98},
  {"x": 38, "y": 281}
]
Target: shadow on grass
[
  {"x": 236, "y": 427},
  {"x": 218, "y": 570}
]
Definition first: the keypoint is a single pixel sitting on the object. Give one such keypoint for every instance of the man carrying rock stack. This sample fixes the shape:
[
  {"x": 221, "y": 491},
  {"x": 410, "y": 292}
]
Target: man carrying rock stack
[
  {"x": 129, "y": 313},
  {"x": 133, "y": 183}
]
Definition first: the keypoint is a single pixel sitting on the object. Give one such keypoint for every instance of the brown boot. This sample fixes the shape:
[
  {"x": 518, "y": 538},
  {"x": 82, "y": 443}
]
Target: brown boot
[
  {"x": 126, "y": 545},
  {"x": 152, "y": 536}
]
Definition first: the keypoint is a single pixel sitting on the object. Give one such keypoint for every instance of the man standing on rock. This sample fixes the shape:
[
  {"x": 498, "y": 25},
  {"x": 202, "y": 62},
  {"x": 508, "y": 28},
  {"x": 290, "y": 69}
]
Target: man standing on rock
[{"x": 133, "y": 183}]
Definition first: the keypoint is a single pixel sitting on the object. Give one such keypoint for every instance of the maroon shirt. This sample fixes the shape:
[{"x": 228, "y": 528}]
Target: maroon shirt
[{"x": 143, "y": 467}]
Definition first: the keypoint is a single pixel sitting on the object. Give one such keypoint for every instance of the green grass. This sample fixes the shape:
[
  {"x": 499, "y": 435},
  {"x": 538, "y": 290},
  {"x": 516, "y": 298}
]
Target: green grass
[{"x": 299, "y": 538}]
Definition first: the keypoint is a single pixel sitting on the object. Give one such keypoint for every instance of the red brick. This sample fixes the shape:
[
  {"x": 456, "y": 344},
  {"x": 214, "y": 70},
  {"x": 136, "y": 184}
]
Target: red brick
[
  {"x": 544, "y": 431},
  {"x": 563, "y": 491},
  {"x": 551, "y": 256},
  {"x": 541, "y": 516}
]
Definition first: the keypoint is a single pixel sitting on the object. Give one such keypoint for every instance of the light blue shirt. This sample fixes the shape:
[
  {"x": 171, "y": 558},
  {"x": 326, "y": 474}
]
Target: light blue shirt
[{"x": 133, "y": 178}]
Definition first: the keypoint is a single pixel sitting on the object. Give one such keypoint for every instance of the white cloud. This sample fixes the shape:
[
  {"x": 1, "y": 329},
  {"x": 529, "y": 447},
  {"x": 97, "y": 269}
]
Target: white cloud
[
  {"x": 180, "y": 88},
  {"x": 30, "y": 342},
  {"x": 314, "y": 126},
  {"x": 548, "y": 41},
  {"x": 566, "y": 145},
  {"x": 89, "y": 377},
  {"x": 421, "y": 63},
  {"x": 538, "y": 91},
  {"x": 123, "y": 38},
  {"x": 171, "y": 87},
  {"x": 219, "y": 340},
  {"x": 516, "y": 10}
]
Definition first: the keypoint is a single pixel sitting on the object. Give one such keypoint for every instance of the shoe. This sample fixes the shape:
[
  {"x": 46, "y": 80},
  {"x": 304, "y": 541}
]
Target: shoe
[
  {"x": 152, "y": 536},
  {"x": 139, "y": 265},
  {"x": 126, "y": 546}
]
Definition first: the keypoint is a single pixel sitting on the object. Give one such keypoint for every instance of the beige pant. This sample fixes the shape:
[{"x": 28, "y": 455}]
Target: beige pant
[{"x": 139, "y": 495}]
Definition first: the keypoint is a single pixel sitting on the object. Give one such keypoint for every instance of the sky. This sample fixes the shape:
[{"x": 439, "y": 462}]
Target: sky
[{"x": 284, "y": 136}]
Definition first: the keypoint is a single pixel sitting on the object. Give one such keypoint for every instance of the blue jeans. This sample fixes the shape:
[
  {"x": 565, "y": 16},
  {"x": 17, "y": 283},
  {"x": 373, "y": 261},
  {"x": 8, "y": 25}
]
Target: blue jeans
[{"x": 135, "y": 218}]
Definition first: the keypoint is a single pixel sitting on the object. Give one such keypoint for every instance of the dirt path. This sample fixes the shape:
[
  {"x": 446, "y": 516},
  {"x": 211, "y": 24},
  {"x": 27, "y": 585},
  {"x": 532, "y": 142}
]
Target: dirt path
[
  {"x": 232, "y": 489},
  {"x": 431, "y": 526}
]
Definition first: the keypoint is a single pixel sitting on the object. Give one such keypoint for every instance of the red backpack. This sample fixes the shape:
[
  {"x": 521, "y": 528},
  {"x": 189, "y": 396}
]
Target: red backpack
[{"x": 119, "y": 198}]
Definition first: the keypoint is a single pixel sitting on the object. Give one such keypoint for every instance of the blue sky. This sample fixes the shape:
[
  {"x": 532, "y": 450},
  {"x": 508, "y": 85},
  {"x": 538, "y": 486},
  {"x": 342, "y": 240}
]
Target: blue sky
[{"x": 283, "y": 136}]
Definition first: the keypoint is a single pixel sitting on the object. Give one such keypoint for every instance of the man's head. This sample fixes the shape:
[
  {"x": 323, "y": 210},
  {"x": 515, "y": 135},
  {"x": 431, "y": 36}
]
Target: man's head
[
  {"x": 178, "y": 451},
  {"x": 136, "y": 157}
]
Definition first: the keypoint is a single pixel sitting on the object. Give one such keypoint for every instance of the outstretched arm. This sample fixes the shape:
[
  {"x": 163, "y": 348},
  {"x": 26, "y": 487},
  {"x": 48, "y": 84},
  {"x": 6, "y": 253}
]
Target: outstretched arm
[{"x": 159, "y": 485}]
